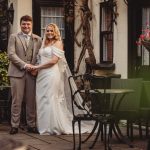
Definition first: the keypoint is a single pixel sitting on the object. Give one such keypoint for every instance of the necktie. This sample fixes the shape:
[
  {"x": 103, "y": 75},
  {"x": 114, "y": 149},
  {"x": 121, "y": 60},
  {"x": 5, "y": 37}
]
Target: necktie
[{"x": 27, "y": 38}]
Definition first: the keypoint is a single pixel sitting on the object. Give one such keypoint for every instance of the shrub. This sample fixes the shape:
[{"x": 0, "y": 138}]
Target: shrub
[{"x": 4, "y": 62}]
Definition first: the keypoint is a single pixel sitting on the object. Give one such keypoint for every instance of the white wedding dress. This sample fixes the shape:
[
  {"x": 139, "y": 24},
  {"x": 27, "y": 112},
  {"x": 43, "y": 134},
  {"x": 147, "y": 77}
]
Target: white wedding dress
[{"x": 53, "y": 99}]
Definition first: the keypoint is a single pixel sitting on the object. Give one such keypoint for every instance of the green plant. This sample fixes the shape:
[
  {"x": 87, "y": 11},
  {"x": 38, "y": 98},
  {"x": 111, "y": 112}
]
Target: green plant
[{"x": 4, "y": 62}]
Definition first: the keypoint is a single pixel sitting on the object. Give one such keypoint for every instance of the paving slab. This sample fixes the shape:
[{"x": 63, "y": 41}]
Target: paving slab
[{"x": 65, "y": 142}]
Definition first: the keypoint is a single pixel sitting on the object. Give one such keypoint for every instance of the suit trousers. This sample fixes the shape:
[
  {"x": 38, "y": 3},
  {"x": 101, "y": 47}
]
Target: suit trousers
[{"x": 23, "y": 89}]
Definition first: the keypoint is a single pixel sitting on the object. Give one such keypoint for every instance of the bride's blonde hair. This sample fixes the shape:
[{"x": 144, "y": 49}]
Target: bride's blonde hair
[{"x": 57, "y": 35}]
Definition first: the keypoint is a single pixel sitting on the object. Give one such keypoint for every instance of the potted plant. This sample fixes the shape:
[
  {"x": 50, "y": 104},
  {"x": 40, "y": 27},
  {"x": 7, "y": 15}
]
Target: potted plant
[{"x": 144, "y": 38}]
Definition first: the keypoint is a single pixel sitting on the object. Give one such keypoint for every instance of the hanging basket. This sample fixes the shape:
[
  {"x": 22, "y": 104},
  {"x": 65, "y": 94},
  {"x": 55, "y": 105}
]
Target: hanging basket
[{"x": 146, "y": 44}]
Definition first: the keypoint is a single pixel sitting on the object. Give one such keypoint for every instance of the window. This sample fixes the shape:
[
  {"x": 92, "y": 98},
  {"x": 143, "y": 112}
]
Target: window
[
  {"x": 53, "y": 15},
  {"x": 144, "y": 53},
  {"x": 106, "y": 32}
]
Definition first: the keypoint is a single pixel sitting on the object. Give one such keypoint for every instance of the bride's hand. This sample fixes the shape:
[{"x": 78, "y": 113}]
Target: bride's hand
[{"x": 34, "y": 72}]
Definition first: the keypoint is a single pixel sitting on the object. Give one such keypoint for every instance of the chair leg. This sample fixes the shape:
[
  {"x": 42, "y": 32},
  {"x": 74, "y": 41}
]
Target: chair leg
[
  {"x": 116, "y": 130},
  {"x": 123, "y": 139},
  {"x": 148, "y": 145},
  {"x": 109, "y": 136},
  {"x": 74, "y": 141},
  {"x": 131, "y": 132},
  {"x": 147, "y": 129},
  {"x": 92, "y": 132},
  {"x": 79, "y": 125},
  {"x": 140, "y": 130},
  {"x": 105, "y": 135},
  {"x": 1, "y": 115},
  {"x": 102, "y": 133},
  {"x": 110, "y": 129},
  {"x": 97, "y": 135},
  {"x": 128, "y": 128}
]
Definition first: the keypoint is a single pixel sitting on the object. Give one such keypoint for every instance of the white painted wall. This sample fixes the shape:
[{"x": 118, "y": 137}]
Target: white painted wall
[
  {"x": 120, "y": 36},
  {"x": 79, "y": 38},
  {"x": 94, "y": 6},
  {"x": 21, "y": 7},
  {"x": 95, "y": 26},
  {"x": 120, "y": 41}
]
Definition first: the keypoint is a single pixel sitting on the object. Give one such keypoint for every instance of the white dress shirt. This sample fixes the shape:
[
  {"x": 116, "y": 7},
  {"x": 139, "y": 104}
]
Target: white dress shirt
[{"x": 27, "y": 38}]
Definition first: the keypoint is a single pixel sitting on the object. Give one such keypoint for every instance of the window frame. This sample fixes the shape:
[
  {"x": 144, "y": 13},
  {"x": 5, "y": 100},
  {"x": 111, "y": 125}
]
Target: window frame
[
  {"x": 103, "y": 33},
  {"x": 36, "y": 6},
  {"x": 62, "y": 28}
]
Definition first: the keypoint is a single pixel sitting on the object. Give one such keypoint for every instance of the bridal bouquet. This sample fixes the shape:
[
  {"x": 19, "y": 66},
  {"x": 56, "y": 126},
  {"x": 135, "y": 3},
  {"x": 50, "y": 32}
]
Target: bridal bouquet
[{"x": 144, "y": 38}]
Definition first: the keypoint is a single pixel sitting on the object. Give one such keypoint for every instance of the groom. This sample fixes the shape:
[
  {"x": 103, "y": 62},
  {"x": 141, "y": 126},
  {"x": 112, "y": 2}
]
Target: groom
[{"x": 22, "y": 50}]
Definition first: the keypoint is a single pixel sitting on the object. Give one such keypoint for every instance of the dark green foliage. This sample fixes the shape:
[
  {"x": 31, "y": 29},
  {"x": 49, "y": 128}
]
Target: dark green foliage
[{"x": 4, "y": 62}]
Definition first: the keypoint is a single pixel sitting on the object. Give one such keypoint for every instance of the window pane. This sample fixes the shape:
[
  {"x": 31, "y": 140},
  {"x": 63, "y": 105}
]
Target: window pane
[
  {"x": 145, "y": 21},
  {"x": 106, "y": 19},
  {"x": 52, "y": 15},
  {"x": 107, "y": 47},
  {"x": 106, "y": 33}
]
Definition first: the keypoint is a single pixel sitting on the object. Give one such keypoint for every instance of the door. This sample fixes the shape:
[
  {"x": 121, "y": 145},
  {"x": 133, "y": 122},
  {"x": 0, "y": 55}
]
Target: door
[
  {"x": 138, "y": 56},
  {"x": 60, "y": 12}
]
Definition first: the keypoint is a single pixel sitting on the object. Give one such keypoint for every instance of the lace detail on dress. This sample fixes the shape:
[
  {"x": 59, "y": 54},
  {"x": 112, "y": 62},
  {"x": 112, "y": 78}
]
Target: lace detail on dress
[{"x": 38, "y": 59}]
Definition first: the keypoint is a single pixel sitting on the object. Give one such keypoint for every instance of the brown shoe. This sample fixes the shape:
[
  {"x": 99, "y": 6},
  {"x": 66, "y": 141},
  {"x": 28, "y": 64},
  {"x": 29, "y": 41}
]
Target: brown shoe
[
  {"x": 13, "y": 130},
  {"x": 32, "y": 130}
]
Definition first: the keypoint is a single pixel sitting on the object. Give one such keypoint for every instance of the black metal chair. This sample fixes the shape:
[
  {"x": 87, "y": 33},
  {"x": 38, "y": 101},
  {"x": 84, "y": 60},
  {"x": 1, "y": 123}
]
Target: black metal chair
[
  {"x": 82, "y": 111},
  {"x": 100, "y": 118}
]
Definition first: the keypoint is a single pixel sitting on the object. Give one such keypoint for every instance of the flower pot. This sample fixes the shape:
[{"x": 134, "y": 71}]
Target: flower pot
[{"x": 146, "y": 44}]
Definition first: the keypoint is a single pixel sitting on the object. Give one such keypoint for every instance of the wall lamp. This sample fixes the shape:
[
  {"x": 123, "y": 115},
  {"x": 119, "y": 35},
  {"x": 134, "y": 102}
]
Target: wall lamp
[{"x": 10, "y": 12}]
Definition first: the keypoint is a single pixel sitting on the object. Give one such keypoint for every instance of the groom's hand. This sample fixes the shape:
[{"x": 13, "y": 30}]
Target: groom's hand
[{"x": 29, "y": 67}]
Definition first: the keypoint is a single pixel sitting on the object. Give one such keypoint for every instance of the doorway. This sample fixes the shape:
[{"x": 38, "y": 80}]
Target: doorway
[{"x": 138, "y": 56}]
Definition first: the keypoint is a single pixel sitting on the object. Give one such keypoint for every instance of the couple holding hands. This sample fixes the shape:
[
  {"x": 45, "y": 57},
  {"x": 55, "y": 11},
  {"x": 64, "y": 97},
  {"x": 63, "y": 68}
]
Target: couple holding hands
[{"x": 37, "y": 71}]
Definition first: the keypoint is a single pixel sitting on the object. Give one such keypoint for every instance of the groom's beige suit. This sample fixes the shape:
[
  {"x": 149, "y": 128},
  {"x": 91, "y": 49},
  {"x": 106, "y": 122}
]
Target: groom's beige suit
[{"x": 22, "y": 82}]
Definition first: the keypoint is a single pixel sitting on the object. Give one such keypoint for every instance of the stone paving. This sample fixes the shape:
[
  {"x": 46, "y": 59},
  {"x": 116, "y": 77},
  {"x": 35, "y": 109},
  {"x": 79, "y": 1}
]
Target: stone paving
[{"x": 64, "y": 142}]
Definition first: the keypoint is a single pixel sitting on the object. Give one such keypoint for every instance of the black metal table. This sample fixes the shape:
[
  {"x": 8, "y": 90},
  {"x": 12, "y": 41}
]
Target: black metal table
[{"x": 108, "y": 117}]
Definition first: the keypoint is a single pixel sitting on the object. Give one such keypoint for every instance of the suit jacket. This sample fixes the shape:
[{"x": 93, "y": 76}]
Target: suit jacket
[{"x": 17, "y": 53}]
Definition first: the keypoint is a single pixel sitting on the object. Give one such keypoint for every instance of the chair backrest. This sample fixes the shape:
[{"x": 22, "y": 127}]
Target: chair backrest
[
  {"x": 80, "y": 100},
  {"x": 97, "y": 82},
  {"x": 131, "y": 101},
  {"x": 100, "y": 82},
  {"x": 145, "y": 97}
]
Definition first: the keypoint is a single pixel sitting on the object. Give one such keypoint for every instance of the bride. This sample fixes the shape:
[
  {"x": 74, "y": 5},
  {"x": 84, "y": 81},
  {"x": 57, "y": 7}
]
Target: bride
[{"x": 53, "y": 101}]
